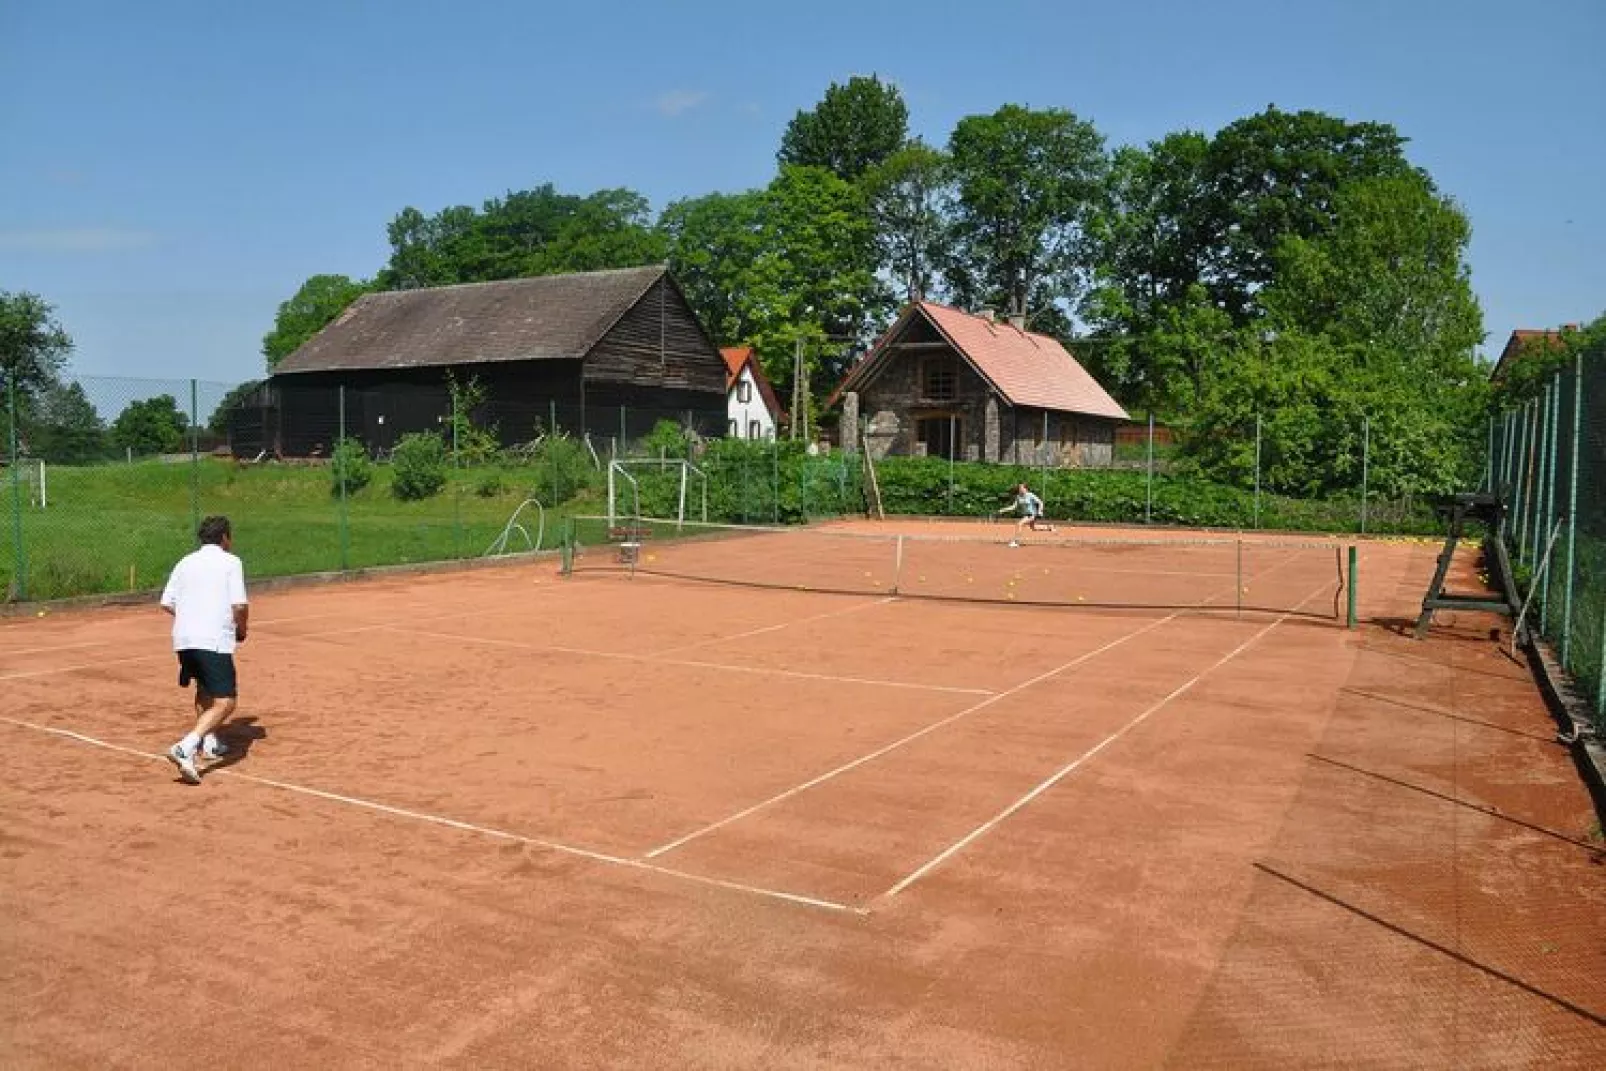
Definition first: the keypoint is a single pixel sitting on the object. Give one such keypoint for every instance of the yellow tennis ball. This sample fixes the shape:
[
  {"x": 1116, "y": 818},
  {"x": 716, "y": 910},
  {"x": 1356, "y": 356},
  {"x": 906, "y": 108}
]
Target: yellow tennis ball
[
  {"x": 41, "y": 613},
  {"x": 652, "y": 557},
  {"x": 1080, "y": 598}
]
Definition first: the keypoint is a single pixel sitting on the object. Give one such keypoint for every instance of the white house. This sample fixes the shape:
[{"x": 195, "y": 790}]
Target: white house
[{"x": 751, "y": 408}]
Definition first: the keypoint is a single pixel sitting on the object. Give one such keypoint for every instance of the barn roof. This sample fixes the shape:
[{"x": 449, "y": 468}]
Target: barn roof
[
  {"x": 1025, "y": 368},
  {"x": 549, "y": 317}
]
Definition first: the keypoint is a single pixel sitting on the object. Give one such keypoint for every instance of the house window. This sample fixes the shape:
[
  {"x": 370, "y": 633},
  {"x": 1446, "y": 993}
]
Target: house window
[
  {"x": 755, "y": 430},
  {"x": 744, "y": 391},
  {"x": 940, "y": 434},
  {"x": 735, "y": 430},
  {"x": 939, "y": 380}
]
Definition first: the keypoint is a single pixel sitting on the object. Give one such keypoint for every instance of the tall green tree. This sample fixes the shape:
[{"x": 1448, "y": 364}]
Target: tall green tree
[
  {"x": 713, "y": 242},
  {"x": 33, "y": 345},
  {"x": 855, "y": 127},
  {"x": 909, "y": 195},
  {"x": 67, "y": 429},
  {"x": 312, "y": 308},
  {"x": 1277, "y": 175},
  {"x": 150, "y": 426},
  {"x": 523, "y": 233},
  {"x": 1028, "y": 183}
]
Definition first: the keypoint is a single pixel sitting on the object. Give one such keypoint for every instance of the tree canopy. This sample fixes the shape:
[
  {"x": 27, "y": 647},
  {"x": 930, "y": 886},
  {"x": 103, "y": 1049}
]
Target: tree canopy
[
  {"x": 311, "y": 309},
  {"x": 33, "y": 346},
  {"x": 853, "y": 129}
]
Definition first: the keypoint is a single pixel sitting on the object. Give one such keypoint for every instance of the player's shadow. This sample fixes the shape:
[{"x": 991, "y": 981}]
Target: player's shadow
[{"x": 238, "y": 734}]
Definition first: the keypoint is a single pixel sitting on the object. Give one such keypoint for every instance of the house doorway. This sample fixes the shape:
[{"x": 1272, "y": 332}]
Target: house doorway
[{"x": 941, "y": 435}]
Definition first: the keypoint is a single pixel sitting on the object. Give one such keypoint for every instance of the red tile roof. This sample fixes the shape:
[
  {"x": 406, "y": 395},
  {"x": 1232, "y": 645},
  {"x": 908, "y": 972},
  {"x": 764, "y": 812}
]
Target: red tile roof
[
  {"x": 1517, "y": 344},
  {"x": 737, "y": 358},
  {"x": 1026, "y": 368}
]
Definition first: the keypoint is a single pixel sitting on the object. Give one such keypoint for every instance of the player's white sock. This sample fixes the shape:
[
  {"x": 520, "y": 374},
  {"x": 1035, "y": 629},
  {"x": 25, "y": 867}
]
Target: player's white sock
[
  {"x": 209, "y": 741},
  {"x": 189, "y": 743}
]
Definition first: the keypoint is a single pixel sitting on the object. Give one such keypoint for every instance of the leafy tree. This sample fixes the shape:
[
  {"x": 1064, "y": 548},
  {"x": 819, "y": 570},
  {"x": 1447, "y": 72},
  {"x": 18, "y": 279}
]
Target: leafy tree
[
  {"x": 909, "y": 194},
  {"x": 713, "y": 243},
  {"x": 236, "y": 398},
  {"x": 33, "y": 346},
  {"x": 150, "y": 426},
  {"x": 524, "y": 233},
  {"x": 1276, "y": 175},
  {"x": 854, "y": 128},
  {"x": 67, "y": 429},
  {"x": 1027, "y": 183},
  {"x": 814, "y": 278},
  {"x": 312, "y": 308}
]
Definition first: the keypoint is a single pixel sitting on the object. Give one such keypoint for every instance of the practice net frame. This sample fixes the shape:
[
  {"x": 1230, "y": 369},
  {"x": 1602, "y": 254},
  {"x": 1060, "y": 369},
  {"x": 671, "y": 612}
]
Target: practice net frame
[{"x": 1236, "y": 574}]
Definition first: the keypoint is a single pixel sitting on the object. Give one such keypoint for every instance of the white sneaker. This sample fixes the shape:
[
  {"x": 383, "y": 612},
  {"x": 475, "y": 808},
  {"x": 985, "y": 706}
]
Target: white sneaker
[
  {"x": 1014, "y": 542},
  {"x": 214, "y": 749},
  {"x": 185, "y": 763}
]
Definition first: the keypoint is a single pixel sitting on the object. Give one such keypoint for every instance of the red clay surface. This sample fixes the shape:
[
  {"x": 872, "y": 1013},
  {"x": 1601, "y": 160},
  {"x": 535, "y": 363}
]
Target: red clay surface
[{"x": 499, "y": 819}]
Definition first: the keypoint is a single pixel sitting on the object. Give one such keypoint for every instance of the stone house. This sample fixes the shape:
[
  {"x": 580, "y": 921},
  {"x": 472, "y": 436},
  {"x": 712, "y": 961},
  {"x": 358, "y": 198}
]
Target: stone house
[{"x": 946, "y": 383}]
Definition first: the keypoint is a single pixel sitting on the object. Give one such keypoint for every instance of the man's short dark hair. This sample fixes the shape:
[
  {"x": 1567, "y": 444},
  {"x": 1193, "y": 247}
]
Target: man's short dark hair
[{"x": 213, "y": 530}]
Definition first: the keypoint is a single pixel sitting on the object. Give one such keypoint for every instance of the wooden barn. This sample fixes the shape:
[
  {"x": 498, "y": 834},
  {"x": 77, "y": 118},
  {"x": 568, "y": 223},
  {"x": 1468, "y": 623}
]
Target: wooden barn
[
  {"x": 608, "y": 353},
  {"x": 947, "y": 383}
]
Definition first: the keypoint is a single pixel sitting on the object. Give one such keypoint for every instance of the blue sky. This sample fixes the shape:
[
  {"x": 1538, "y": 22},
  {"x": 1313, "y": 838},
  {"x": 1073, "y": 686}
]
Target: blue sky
[{"x": 171, "y": 171}]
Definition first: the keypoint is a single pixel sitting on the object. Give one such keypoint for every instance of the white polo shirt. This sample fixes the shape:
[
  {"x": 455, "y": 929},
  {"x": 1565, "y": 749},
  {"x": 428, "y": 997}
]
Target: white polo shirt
[{"x": 203, "y": 591}]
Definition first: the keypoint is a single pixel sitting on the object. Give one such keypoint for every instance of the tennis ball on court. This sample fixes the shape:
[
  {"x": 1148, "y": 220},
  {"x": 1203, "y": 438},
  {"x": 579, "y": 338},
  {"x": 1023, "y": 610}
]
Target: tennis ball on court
[
  {"x": 1010, "y": 595},
  {"x": 652, "y": 557},
  {"x": 1081, "y": 598},
  {"x": 41, "y": 613}
]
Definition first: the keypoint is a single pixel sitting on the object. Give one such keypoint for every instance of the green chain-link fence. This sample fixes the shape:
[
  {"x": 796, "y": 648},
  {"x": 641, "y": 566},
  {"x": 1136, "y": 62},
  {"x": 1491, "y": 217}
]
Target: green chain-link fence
[{"x": 1548, "y": 458}]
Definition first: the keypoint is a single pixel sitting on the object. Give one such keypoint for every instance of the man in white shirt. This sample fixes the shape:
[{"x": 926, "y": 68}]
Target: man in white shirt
[{"x": 206, "y": 596}]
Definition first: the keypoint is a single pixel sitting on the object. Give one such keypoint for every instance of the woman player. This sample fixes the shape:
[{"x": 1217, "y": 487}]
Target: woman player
[{"x": 1031, "y": 513}]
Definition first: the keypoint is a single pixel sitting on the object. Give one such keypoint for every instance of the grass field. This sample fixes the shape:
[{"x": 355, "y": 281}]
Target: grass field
[{"x": 113, "y": 528}]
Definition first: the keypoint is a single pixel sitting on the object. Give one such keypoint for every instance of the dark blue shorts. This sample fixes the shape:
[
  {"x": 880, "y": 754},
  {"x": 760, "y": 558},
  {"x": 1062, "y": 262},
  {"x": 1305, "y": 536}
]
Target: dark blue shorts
[{"x": 213, "y": 673}]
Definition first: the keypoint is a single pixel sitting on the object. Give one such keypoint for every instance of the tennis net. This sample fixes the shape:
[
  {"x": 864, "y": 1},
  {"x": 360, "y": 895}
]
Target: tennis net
[{"x": 1165, "y": 572}]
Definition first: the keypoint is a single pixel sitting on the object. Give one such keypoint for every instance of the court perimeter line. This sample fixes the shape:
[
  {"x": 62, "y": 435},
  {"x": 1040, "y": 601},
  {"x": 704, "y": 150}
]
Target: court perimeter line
[
  {"x": 1065, "y": 771},
  {"x": 168, "y": 655},
  {"x": 466, "y": 827},
  {"x": 655, "y": 660},
  {"x": 775, "y": 628}
]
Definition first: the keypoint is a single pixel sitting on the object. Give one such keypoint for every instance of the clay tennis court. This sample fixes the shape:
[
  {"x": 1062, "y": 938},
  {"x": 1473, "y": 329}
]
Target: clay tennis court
[{"x": 502, "y": 818}]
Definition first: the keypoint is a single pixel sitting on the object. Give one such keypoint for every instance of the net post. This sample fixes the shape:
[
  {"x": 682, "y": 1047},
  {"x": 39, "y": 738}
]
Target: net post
[
  {"x": 1572, "y": 514},
  {"x": 680, "y": 508},
  {"x": 1349, "y": 621},
  {"x": 897, "y": 568},
  {"x": 340, "y": 481},
  {"x": 20, "y": 554},
  {"x": 1238, "y": 582}
]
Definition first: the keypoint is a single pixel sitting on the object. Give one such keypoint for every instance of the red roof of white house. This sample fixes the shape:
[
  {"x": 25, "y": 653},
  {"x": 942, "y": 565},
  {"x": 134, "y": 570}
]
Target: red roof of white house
[
  {"x": 1026, "y": 368},
  {"x": 739, "y": 357}
]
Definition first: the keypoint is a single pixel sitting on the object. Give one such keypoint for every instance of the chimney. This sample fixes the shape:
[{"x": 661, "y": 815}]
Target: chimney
[
  {"x": 1017, "y": 320},
  {"x": 988, "y": 315}
]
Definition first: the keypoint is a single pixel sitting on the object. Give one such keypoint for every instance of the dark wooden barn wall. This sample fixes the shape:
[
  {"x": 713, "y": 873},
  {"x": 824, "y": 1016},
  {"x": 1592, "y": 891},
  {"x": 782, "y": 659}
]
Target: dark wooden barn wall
[{"x": 658, "y": 343}]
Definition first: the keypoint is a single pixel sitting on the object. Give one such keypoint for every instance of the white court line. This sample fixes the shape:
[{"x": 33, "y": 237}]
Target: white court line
[
  {"x": 466, "y": 827},
  {"x": 48, "y": 650},
  {"x": 625, "y": 656},
  {"x": 933, "y": 727},
  {"x": 775, "y": 628},
  {"x": 1065, "y": 771},
  {"x": 168, "y": 655}
]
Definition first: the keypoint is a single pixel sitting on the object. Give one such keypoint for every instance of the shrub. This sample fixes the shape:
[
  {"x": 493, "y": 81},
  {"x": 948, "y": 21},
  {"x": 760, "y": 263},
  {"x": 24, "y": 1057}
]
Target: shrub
[
  {"x": 351, "y": 466},
  {"x": 669, "y": 440},
  {"x": 419, "y": 461},
  {"x": 489, "y": 485},
  {"x": 565, "y": 468}
]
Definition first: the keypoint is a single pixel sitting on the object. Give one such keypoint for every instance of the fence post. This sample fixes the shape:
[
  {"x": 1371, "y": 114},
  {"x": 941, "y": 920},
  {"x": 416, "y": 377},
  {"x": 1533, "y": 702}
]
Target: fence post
[
  {"x": 20, "y": 556},
  {"x": 195, "y": 461},
  {"x": 1572, "y": 513},
  {"x": 624, "y": 441},
  {"x": 951, "y": 452},
  {"x": 1148, "y": 491},
  {"x": 340, "y": 480},
  {"x": 1550, "y": 497},
  {"x": 1350, "y": 587},
  {"x": 457, "y": 487},
  {"x": 775, "y": 462},
  {"x": 1256, "y": 523},
  {"x": 1539, "y": 477},
  {"x": 1366, "y": 460},
  {"x": 1524, "y": 480},
  {"x": 1488, "y": 459}
]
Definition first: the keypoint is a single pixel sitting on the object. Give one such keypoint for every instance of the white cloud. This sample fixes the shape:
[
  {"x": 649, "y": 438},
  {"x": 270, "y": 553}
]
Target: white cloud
[
  {"x": 678, "y": 101},
  {"x": 76, "y": 240}
]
